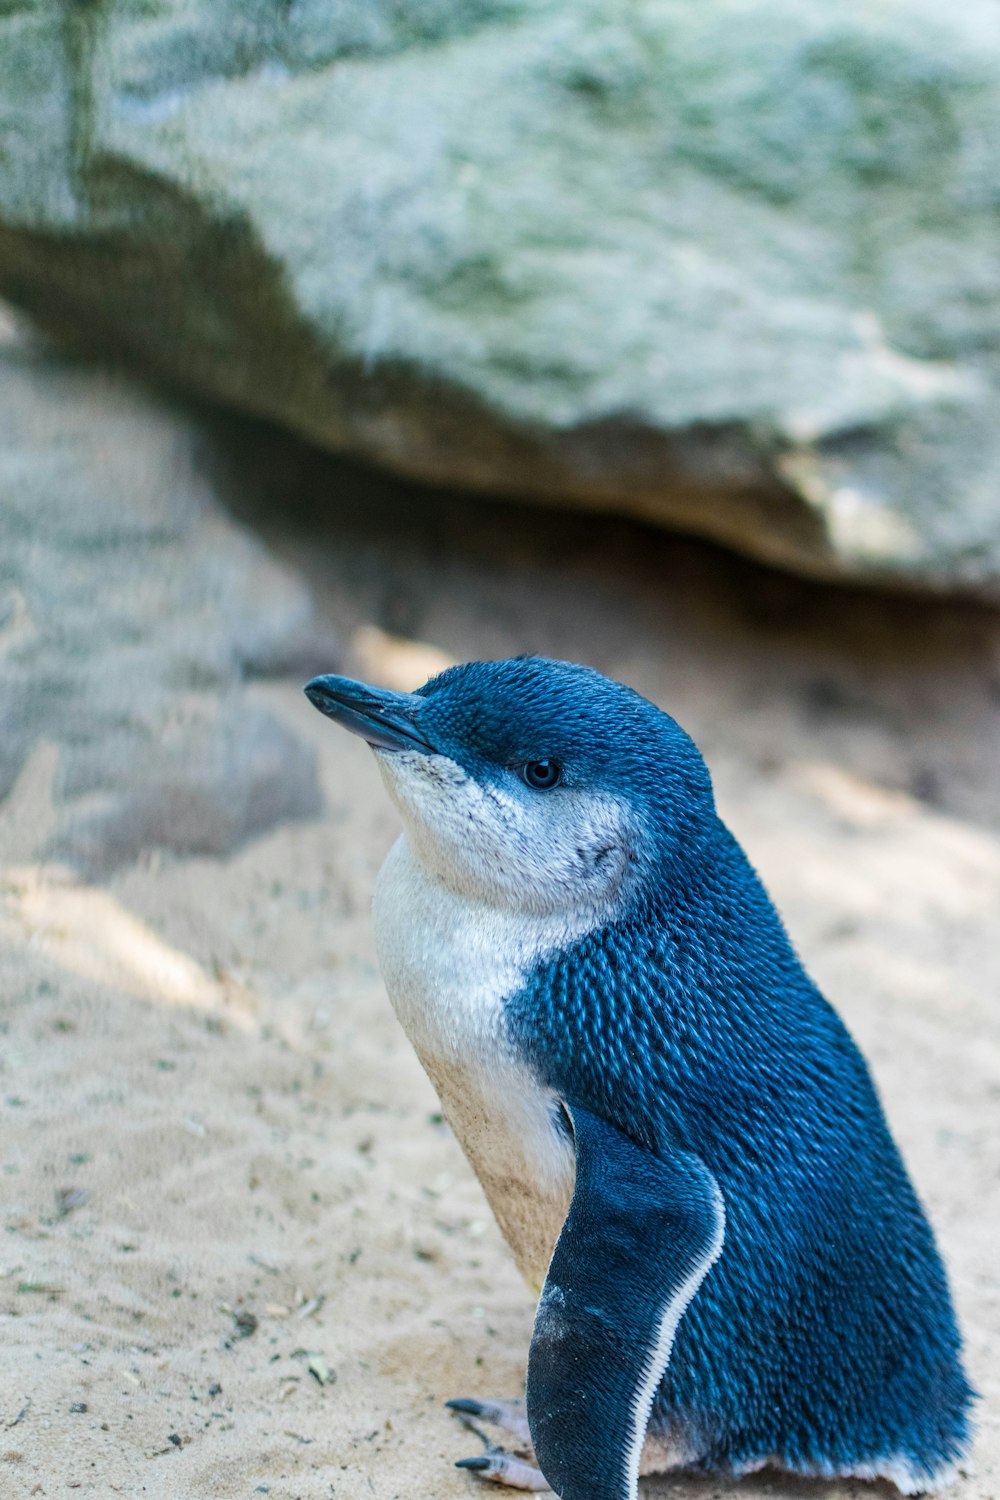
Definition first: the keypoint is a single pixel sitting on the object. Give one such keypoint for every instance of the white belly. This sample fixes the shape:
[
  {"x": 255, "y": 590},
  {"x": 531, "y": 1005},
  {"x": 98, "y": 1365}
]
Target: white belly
[{"x": 447, "y": 965}]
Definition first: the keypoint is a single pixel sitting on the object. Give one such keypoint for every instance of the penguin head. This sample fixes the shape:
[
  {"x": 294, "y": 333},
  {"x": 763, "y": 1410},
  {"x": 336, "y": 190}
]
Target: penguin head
[{"x": 532, "y": 784}]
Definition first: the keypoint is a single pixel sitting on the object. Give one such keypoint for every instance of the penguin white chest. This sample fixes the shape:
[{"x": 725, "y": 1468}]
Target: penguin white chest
[{"x": 448, "y": 963}]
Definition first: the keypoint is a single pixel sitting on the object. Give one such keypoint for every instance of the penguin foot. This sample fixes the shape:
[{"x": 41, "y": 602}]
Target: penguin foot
[
  {"x": 517, "y": 1470},
  {"x": 501, "y": 1468},
  {"x": 510, "y": 1416}
]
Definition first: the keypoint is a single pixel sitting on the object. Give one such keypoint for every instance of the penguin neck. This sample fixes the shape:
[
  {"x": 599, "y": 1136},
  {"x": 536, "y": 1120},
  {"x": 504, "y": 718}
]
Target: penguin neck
[
  {"x": 464, "y": 903},
  {"x": 489, "y": 902},
  {"x": 444, "y": 952}
]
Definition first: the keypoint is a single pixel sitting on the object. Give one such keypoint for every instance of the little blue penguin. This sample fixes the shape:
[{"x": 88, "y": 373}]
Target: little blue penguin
[{"x": 679, "y": 1139}]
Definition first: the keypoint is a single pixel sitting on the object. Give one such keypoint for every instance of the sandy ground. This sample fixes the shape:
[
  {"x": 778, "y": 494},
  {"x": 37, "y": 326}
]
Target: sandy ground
[{"x": 242, "y": 1253}]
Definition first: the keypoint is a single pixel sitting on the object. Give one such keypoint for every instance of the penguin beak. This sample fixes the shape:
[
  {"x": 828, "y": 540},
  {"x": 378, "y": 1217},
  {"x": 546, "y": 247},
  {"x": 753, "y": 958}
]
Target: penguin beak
[{"x": 387, "y": 720}]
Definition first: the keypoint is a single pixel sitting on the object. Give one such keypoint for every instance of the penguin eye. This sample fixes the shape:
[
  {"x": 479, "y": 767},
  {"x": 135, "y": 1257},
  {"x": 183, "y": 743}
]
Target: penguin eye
[{"x": 543, "y": 775}]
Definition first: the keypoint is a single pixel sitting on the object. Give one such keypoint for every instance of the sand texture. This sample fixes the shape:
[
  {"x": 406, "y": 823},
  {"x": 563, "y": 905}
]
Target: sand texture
[{"x": 242, "y": 1254}]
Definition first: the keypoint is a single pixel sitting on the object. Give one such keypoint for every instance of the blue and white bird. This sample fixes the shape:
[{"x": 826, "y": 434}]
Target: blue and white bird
[{"x": 680, "y": 1141}]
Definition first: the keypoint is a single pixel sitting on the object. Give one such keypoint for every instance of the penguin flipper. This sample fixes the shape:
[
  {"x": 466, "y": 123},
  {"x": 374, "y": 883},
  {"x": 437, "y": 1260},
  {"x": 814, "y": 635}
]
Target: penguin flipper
[{"x": 641, "y": 1233}]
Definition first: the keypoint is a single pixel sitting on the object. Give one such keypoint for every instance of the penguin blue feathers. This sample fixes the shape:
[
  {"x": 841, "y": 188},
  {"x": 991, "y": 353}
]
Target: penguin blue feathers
[{"x": 680, "y": 1141}]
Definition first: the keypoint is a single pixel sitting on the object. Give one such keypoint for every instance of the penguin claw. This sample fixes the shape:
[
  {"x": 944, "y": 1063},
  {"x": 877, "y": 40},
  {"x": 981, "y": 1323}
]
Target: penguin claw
[
  {"x": 510, "y": 1416},
  {"x": 495, "y": 1464},
  {"x": 500, "y": 1468}
]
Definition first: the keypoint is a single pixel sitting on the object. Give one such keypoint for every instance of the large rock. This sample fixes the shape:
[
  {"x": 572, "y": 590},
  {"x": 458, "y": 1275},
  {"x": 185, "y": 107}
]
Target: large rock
[
  {"x": 731, "y": 266},
  {"x": 133, "y": 615}
]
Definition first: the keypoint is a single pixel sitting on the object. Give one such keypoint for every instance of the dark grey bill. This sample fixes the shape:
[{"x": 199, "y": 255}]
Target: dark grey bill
[{"x": 387, "y": 720}]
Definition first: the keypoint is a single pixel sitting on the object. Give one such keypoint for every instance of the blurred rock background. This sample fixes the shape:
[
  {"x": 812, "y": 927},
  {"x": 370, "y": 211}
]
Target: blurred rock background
[
  {"x": 132, "y": 612},
  {"x": 377, "y": 336},
  {"x": 732, "y": 266}
]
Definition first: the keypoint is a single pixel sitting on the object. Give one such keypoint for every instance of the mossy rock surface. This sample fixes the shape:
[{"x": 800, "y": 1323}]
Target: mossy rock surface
[{"x": 734, "y": 266}]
